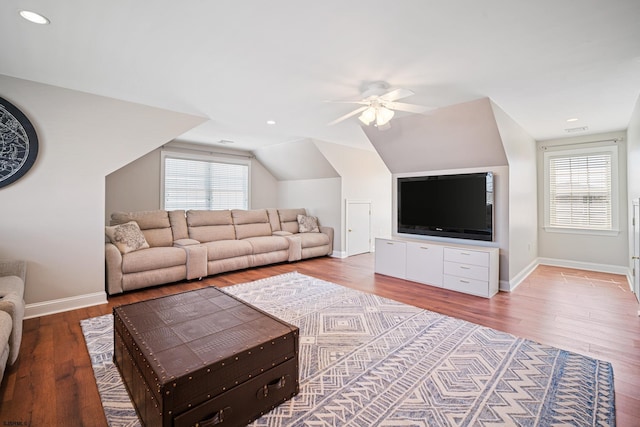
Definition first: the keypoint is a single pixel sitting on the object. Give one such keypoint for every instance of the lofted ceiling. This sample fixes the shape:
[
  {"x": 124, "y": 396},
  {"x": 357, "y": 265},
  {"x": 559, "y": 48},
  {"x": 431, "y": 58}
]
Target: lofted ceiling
[{"x": 242, "y": 63}]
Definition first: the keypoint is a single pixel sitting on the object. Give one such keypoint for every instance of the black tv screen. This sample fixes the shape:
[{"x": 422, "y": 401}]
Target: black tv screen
[{"x": 458, "y": 206}]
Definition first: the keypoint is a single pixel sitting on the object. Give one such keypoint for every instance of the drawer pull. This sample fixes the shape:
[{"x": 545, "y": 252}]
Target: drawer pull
[
  {"x": 215, "y": 418},
  {"x": 464, "y": 268},
  {"x": 424, "y": 247},
  {"x": 464, "y": 281},
  {"x": 274, "y": 385}
]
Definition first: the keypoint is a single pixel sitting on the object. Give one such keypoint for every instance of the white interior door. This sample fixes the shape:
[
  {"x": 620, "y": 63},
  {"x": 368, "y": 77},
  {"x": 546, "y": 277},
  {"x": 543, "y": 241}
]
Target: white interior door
[
  {"x": 358, "y": 227},
  {"x": 636, "y": 247}
]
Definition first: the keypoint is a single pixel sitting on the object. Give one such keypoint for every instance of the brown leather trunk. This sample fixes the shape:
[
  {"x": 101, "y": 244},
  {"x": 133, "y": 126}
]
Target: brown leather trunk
[{"x": 204, "y": 357}]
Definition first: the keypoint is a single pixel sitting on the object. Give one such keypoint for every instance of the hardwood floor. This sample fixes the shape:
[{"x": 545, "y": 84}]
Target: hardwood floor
[{"x": 594, "y": 314}]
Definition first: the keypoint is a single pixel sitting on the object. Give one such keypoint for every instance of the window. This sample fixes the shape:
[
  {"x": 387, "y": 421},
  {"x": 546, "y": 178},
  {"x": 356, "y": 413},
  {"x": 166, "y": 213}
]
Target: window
[
  {"x": 192, "y": 182},
  {"x": 581, "y": 190}
]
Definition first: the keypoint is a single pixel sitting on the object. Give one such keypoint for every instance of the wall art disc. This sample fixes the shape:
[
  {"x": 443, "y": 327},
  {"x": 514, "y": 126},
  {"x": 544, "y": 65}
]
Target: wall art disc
[{"x": 18, "y": 143}]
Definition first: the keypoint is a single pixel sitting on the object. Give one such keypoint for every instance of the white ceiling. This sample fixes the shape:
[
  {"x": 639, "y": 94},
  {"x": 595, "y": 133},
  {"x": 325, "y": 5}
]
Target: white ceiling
[{"x": 241, "y": 63}]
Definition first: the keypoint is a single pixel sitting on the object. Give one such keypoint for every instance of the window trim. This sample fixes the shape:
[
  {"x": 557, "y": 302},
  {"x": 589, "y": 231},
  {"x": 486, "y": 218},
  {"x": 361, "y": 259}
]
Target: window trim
[
  {"x": 611, "y": 149},
  {"x": 202, "y": 157}
]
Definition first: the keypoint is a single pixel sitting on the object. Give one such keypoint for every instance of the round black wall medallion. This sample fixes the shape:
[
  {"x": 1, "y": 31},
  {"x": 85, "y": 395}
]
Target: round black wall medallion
[{"x": 18, "y": 143}]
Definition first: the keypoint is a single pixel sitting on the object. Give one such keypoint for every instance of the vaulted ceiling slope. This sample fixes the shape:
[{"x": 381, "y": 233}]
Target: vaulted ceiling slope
[
  {"x": 460, "y": 136},
  {"x": 242, "y": 63},
  {"x": 295, "y": 160}
]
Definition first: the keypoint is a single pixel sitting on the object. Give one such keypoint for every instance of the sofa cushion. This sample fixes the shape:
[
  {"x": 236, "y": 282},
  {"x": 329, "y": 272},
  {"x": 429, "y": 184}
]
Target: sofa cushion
[
  {"x": 224, "y": 249},
  {"x": 310, "y": 240},
  {"x": 274, "y": 219},
  {"x": 178, "y": 222},
  {"x": 155, "y": 225},
  {"x": 153, "y": 259},
  {"x": 308, "y": 224},
  {"x": 289, "y": 219},
  {"x": 210, "y": 226},
  {"x": 127, "y": 237},
  {"x": 145, "y": 219},
  {"x": 253, "y": 223},
  {"x": 263, "y": 244},
  {"x": 241, "y": 216},
  {"x": 197, "y": 218},
  {"x": 246, "y": 231}
]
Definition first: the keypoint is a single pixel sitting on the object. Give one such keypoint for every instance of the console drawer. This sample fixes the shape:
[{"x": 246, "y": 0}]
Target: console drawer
[
  {"x": 469, "y": 286},
  {"x": 466, "y": 256},
  {"x": 475, "y": 272}
]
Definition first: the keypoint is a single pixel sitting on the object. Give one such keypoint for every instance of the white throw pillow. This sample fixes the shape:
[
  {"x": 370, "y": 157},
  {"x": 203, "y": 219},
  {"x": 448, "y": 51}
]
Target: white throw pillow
[{"x": 127, "y": 237}]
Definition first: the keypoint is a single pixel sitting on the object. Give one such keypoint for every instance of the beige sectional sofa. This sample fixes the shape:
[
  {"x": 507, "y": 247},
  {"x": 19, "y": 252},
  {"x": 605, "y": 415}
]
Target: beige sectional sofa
[{"x": 156, "y": 247}]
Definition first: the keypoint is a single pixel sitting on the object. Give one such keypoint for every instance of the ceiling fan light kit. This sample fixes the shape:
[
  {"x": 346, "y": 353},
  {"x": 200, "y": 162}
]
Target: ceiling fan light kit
[
  {"x": 368, "y": 116},
  {"x": 381, "y": 115},
  {"x": 378, "y": 105}
]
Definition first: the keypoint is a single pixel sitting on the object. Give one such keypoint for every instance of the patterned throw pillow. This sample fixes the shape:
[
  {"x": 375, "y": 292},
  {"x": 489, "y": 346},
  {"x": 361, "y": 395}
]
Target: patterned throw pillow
[
  {"x": 127, "y": 237},
  {"x": 308, "y": 224}
]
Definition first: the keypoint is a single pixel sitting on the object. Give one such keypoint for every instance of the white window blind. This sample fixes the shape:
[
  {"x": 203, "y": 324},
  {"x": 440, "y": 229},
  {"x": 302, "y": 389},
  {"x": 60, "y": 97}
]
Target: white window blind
[
  {"x": 205, "y": 185},
  {"x": 580, "y": 190}
]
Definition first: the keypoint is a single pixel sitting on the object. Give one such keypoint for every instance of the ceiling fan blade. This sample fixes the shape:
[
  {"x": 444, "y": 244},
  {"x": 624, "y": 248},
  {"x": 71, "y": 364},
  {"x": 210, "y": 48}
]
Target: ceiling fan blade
[
  {"x": 410, "y": 108},
  {"x": 346, "y": 116},
  {"x": 361, "y": 102},
  {"x": 396, "y": 94}
]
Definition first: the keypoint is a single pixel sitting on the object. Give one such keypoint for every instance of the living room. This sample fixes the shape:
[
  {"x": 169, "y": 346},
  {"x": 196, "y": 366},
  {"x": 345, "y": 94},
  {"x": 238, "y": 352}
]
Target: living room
[{"x": 100, "y": 146}]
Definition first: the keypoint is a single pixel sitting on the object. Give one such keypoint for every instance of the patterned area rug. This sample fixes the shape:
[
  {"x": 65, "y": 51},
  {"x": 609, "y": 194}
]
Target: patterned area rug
[{"x": 370, "y": 361}]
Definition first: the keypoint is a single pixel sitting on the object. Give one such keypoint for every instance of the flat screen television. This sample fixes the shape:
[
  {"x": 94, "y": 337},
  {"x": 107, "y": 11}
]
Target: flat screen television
[{"x": 458, "y": 206}]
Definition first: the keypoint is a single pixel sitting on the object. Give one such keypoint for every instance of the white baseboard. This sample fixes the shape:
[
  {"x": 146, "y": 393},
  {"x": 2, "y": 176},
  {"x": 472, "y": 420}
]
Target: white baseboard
[
  {"x": 512, "y": 284},
  {"x": 64, "y": 304},
  {"x": 338, "y": 254},
  {"x": 580, "y": 265},
  {"x": 509, "y": 286}
]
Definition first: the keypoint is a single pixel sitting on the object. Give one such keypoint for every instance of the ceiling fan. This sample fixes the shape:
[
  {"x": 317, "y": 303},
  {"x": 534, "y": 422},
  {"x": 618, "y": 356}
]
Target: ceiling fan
[{"x": 379, "y": 104}]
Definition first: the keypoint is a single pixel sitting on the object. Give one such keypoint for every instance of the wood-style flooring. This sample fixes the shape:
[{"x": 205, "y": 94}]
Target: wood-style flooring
[{"x": 594, "y": 314}]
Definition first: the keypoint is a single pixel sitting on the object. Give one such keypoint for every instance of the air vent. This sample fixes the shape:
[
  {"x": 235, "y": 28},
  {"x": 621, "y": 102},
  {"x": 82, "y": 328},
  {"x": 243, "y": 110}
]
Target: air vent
[{"x": 578, "y": 129}]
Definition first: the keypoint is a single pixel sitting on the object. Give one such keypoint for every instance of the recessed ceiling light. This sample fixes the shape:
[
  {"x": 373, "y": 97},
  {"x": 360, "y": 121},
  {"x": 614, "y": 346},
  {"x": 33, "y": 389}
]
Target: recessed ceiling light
[
  {"x": 36, "y": 18},
  {"x": 575, "y": 119},
  {"x": 271, "y": 122}
]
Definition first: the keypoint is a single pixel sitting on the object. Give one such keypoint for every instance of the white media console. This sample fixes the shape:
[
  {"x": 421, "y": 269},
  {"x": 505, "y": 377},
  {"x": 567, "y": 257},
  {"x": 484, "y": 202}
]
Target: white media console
[{"x": 463, "y": 268}]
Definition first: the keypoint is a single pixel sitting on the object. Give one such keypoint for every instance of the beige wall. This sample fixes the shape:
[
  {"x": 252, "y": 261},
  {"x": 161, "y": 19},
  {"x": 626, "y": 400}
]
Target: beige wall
[
  {"x": 364, "y": 178},
  {"x": 54, "y": 216},
  {"x": 522, "y": 248},
  {"x": 136, "y": 186},
  {"x": 607, "y": 253},
  {"x": 321, "y": 198}
]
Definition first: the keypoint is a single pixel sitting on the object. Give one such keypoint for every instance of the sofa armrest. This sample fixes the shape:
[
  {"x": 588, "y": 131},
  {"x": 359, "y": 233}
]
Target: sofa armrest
[
  {"x": 196, "y": 261},
  {"x": 13, "y": 304},
  {"x": 295, "y": 247},
  {"x": 329, "y": 232},
  {"x": 182, "y": 243},
  {"x": 10, "y": 267},
  {"x": 113, "y": 269}
]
